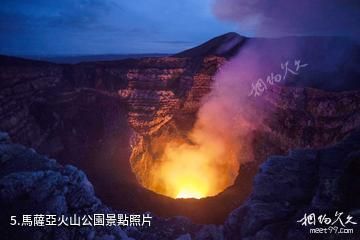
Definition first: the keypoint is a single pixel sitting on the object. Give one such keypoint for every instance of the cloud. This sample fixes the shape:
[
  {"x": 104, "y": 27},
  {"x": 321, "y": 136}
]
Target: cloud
[
  {"x": 40, "y": 14},
  {"x": 282, "y": 17}
]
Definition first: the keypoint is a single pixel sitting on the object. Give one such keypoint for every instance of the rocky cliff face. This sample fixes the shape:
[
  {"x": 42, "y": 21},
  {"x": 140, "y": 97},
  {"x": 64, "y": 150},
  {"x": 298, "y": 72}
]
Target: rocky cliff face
[
  {"x": 35, "y": 184},
  {"x": 303, "y": 182},
  {"x": 165, "y": 87},
  {"x": 20, "y": 83},
  {"x": 152, "y": 88}
]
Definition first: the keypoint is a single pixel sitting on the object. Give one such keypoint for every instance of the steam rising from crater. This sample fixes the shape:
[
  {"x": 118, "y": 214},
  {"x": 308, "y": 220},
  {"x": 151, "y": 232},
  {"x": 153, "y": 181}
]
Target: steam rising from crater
[
  {"x": 283, "y": 18},
  {"x": 220, "y": 139}
]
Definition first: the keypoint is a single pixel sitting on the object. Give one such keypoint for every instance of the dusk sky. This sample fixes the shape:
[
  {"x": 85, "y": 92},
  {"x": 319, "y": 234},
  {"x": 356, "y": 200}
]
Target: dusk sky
[
  {"x": 106, "y": 26},
  {"x": 44, "y": 27}
]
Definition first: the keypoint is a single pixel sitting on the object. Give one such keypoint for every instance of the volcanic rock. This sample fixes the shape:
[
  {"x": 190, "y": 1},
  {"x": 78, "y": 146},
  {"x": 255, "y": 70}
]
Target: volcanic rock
[
  {"x": 303, "y": 182},
  {"x": 34, "y": 184}
]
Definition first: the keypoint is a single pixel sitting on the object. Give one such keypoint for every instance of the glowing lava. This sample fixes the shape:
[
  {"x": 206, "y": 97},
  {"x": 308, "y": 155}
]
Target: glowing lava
[
  {"x": 188, "y": 193},
  {"x": 195, "y": 171}
]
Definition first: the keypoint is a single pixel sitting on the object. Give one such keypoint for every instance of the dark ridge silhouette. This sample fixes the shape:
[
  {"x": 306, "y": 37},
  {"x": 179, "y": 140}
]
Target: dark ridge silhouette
[{"x": 226, "y": 45}]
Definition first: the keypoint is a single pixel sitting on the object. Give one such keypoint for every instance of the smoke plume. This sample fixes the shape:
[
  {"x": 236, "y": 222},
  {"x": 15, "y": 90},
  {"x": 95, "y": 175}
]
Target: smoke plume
[
  {"x": 283, "y": 18},
  {"x": 219, "y": 141}
]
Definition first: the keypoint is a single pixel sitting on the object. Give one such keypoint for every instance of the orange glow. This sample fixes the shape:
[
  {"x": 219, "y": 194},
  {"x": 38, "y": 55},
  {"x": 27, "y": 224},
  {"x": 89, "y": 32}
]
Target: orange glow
[
  {"x": 182, "y": 172},
  {"x": 186, "y": 193},
  {"x": 204, "y": 164},
  {"x": 195, "y": 171}
]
